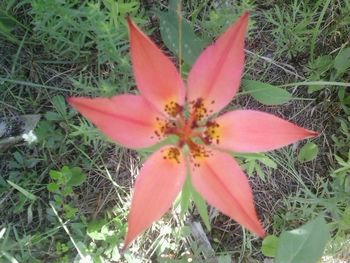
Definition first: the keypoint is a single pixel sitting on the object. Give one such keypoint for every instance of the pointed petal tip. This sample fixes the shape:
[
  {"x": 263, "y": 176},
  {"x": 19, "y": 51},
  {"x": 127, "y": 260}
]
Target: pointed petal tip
[
  {"x": 245, "y": 15},
  {"x": 73, "y": 100},
  {"x": 244, "y": 20},
  {"x": 157, "y": 78},
  {"x": 258, "y": 131},
  {"x": 79, "y": 101},
  {"x": 155, "y": 190},
  {"x": 129, "y": 20},
  {"x": 222, "y": 183},
  {"x": 258, "y": 230},
  {"x": 131, "y": 25},
  {"x": 308, "y": 134},
  {"x": 262, "y": 233},
  {"x": 133, "y": 28},
  {"x": 313, "y": 133},
  {"x": 70, "y": 100},
  {"x": 126, "y": 245},
  {"x": 129, "y": 238}
]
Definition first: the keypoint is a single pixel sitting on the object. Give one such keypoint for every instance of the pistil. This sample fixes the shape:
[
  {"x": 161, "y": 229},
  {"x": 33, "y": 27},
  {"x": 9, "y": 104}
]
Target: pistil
[{"x": 188, "y": 128}]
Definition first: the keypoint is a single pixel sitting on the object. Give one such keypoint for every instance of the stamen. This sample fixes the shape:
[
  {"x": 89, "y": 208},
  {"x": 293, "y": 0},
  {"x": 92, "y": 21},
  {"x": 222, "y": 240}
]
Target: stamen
[
  {"x": 164, "y": 127},
  {"x": 212, "y": 133},
  {"x": 199, "y": 111},
  {"x": 172, "y": 154},
  {"x": 188, "y": 128},
  {"x": 173, "y": 109},
  {"x": 198, "y": 153}
]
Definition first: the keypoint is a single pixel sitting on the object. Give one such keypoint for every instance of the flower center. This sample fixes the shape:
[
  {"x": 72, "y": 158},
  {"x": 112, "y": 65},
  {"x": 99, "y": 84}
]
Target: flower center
[{"x": 191, "y": 128}]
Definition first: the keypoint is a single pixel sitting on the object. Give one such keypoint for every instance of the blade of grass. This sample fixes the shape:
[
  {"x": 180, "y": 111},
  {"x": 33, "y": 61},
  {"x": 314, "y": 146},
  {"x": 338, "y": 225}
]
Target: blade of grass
[
  {"x": 68, "y": 232},
  {"x": 33, "y": 85},
  {"x": 317, "y": 30},
  {"x": 17, "y": 53},
  {"x": 23, "y": 191},
  {"x": 321, "y": 83}
]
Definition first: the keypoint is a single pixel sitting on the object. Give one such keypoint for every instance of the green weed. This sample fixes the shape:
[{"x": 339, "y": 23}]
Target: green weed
[{"x": 291, "y": 29}]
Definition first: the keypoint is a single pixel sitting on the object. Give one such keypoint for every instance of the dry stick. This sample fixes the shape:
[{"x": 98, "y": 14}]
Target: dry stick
[{"x": 201, "y": 237}]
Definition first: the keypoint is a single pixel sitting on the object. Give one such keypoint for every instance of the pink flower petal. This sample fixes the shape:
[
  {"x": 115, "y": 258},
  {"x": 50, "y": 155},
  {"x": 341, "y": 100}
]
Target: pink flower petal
[
  {"x": 156, "y": 76},
  {"x": 254, "y": 131},
  {"x": 216, "y": 75},
  {"x": 159, "y": 182},
  {"x": 220, "y": 180},
  {"x": 126, "y": 119}
]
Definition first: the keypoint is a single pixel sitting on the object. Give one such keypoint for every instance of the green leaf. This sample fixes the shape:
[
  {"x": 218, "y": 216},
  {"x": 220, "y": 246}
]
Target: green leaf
[
  {"x": 268, "y": 162},
  {"x": 319, "y": 69},
  {"x": 94, "y": 229},
  {"x": 191, "y": 45},
  {"x": 67, "y": 190},
  {"x": 250, "y": 166},
  {"x": 342, "y": 61},
  {"x": 185, "y": 196},
  {"x": 23, "y": 191},
  {"x": 260, "y": 172},
  {"x": 266, "y": 94},
  {"x": 269, "y": 246},
  {"x": 224, "y": 259},
  {"x": 173, "y": 4},
  {"x": 58, "y": 199},
  {"x": 52, "y": 187},
  {"x": 304, "y": 244},
  {"x": 19, "y": 158},
  {"x": 60, "y": 105},
  {"x": 308, "y": 152},
  {"x": 53, "y": 116},
  {"x": 171, "y": 139},
  {"x": 77, "y": 177},
  {"x": 313, "y": 88},
  {"x": 66, "y": 172},
  {"x": 55, "y": 175},
  {"x": 202, "y": 208},
  {"x": 69, "y": 211},
  {"x": 249, "y": 155}
]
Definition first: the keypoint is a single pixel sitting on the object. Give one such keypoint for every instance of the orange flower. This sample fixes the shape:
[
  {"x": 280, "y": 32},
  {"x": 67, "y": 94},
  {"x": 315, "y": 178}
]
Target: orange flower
[{"x": 138, "y": 121}]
